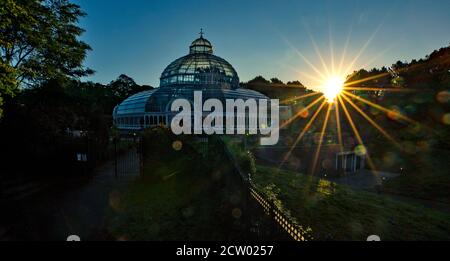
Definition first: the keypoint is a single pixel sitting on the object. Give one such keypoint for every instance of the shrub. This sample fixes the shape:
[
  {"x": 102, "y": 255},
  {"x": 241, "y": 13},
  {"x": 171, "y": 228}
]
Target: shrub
[{"x": 247, "y": 162}]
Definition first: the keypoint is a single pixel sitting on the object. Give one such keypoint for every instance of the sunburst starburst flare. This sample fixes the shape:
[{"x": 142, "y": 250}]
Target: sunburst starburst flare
[{"x": 336, "y": 90}]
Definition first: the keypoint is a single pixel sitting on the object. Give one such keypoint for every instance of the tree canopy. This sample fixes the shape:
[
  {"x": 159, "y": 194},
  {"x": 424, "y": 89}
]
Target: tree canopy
[
  {"x": 125, "y": 86},
  {"x": 39, "y": 40}
]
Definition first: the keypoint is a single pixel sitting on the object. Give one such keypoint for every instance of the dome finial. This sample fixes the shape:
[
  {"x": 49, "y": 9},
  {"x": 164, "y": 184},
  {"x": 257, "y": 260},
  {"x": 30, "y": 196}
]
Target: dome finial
[{"x": 201, "y": 45}]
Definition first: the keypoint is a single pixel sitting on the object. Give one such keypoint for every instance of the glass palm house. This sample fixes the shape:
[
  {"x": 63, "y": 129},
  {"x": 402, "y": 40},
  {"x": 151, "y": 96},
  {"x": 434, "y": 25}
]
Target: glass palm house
[{"x": 199, "y": 70}]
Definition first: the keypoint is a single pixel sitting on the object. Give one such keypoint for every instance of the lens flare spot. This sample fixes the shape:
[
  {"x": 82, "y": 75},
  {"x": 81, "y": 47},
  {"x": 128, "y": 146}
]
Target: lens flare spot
[
  {"x": 409, "y": 147},
  {"x": 115, "y": 200},
  {"x": 446, "y": 119},
  {"x": 443, "y": 97},
  {"x": 122, "y": 238},
  {"x": 236, "y": 213},
  {"x": 390, "y": 159},
  {"x": 177, "y": 145},
  {"x": 394, "y": 113},
  {"x": 304, "y": 113},
  {"x": 360, "y": 150},
  {"x": 423, "y": 145}
]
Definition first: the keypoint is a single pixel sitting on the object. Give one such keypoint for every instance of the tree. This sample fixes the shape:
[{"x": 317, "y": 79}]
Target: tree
[
  {"x": 125, "y": 86},
  {"x": 7, "y": 73},
  {"x": 259, "y": 80},
  {"x": 39, "y": 41},
  {"x": 7, "y": 83},
  {"x": 296, "y": 83},
  {"x": 276, "y": 81}
]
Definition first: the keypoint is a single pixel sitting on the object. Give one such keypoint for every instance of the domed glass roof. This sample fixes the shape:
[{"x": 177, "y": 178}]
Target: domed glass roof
[
  {"x": 199, "y": 68},
  {"x": 201, "y": 45}
]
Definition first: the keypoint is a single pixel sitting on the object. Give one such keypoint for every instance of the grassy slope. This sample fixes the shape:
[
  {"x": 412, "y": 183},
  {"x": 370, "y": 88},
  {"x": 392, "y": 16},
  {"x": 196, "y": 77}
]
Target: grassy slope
[
  {"x": 338, "y": 213},
  {"x": 429, "y": 180}
]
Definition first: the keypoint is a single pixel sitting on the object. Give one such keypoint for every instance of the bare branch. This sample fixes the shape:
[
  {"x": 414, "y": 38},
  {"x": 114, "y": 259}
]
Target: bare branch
[{"x": 21, "y": 58}]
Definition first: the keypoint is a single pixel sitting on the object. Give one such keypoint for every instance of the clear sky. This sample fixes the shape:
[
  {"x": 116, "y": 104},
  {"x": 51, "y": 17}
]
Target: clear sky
[{"x": 259, "y": 37}]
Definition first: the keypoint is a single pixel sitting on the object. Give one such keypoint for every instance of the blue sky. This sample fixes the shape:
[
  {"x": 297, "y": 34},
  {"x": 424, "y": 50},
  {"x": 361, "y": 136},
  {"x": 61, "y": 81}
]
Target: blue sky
[{"x": 259, "y": 37}]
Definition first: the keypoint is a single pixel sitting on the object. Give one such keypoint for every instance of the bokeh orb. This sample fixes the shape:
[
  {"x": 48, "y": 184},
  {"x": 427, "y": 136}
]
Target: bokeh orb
[
  {"x": 360, "y": 150},
  {"x": 443, "y": 97},
  {"x": 446, "y": 119},
  {"x": 236, "y": 213},
  {"x": 394, "y": 113},
  {"x": 304, "y": 113},
  {"x": 177, "y": 145}
]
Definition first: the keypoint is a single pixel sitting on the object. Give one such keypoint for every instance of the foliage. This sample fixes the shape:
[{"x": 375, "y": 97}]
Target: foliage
[
  {"x": 39, "y": 41},
  {"x": 38, "y": 122},
  {"x": 276, "y": 81},
  {"x": 247, "y": 162},
  {"x": 7, "y": 84},
  {"x": 296, "y": 83},
  {"x": 124, "y": 86},
  {"x": 276, "y": 89},
  {"x": 424, "y": 140},
  {"x": 259, "y": 80}
]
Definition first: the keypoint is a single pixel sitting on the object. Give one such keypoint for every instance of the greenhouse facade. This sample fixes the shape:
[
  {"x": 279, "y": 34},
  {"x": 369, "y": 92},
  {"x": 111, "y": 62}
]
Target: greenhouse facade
[{"x": 200, "y": 70}]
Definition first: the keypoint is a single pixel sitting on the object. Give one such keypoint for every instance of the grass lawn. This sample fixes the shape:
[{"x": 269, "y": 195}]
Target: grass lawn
[{"x": 335, "y": 212}]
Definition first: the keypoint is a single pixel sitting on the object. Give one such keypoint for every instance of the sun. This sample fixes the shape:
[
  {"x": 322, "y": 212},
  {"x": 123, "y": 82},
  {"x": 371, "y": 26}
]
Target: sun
[{"x": 332, "y": 87}]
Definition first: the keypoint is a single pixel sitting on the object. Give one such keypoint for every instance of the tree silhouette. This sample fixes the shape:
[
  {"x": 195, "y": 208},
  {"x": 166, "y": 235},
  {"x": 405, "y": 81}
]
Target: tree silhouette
[
  {"x": 125, "y": 86},
  {"x": 276, "y": 81}
]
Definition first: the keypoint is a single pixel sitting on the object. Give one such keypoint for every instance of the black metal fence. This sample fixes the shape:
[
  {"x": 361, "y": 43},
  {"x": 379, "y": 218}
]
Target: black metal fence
[{"x": 276, "y": 224}]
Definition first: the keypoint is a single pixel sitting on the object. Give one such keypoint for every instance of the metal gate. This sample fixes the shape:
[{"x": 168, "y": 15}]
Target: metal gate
[{"x": 128, "y": 156}]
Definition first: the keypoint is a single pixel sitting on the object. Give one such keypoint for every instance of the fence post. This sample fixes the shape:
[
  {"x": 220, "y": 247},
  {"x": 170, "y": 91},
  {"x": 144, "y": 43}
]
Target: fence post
[
  {"x": 115, "y": 157},
  {"x": 88, "y": 157},
  {"x": 247, "y": 186},
  {"x": 274, "y": 225},
  {"x": 141, "y": 156}
]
